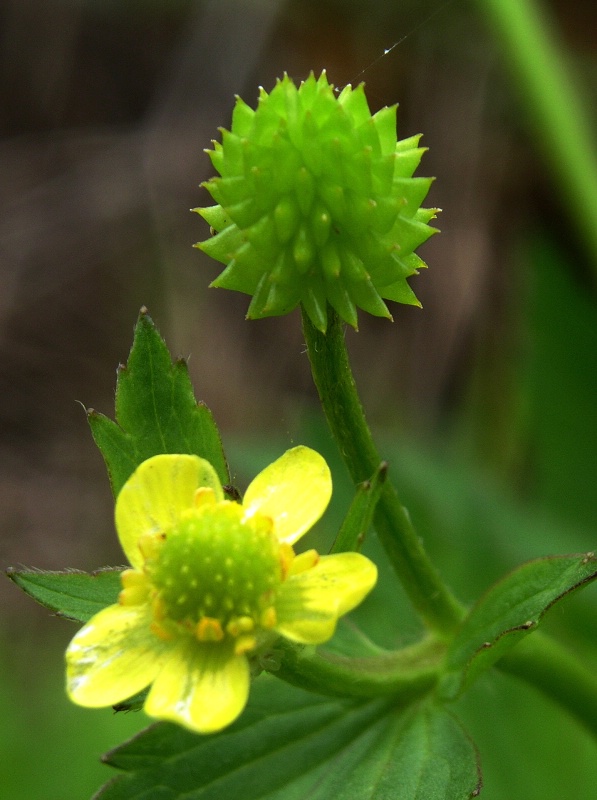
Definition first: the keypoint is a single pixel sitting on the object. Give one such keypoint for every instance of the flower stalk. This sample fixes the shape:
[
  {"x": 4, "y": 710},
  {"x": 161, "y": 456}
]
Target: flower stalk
[
  {"x": 334, "y": 380},
  {"x": 404, "y": 674}
]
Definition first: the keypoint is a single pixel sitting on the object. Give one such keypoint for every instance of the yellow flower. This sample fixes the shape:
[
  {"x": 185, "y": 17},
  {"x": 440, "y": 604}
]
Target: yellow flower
[{"x": 213, "y": 583}]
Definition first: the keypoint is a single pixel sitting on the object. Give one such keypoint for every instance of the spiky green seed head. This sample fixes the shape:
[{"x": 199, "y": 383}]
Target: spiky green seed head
[{"x": 316, "y": 204}]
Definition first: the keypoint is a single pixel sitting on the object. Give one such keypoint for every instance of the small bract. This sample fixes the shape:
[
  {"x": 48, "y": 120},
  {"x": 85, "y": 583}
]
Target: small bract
[
  {"x": 213, "y": 583},
  {"x": 316, "y": 204}
]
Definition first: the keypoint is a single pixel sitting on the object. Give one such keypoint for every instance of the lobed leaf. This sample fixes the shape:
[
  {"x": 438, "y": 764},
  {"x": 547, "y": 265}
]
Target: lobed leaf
[
  {"x": 156, "y": 412},
  {"x": 509, "y": 611},
  {"x": 290, "y": 744},
  {"x": 74, "y": 595}
]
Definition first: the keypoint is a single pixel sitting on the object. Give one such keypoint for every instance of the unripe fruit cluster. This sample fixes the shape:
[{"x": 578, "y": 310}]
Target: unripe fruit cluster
[{"x": 316, "y": 204}]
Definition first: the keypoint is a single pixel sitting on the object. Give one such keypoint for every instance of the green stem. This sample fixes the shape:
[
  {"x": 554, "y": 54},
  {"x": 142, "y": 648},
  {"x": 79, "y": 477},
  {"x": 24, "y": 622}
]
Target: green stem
[
  {"x": 554, "y": 107},
  {"x": 333, "y": 377},
  {"x": 551, "y": 668},
  {"x": 404, "y": 674}
]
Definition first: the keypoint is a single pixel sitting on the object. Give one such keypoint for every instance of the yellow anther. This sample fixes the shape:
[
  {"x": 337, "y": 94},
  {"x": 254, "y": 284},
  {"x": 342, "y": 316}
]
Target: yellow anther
[
  {"x": 204, "y": 496},
  {"x": 161, "y": 631},
  {"x": 304, "y": 561},
  {"x": 134, "y": 588},
  {"x": 133, "y": 597},
  {"x": 158, "y": 609},
  {"x": 286, "y": 558},
  {"x": 150, "y": 544},
  {"x": 132, "y": 577},
  {"x": 266, "y": 524},
  {"x": 244, "y": 644},
  {"x": 209, "y": 629},
  {"x": 269, "y": 617},
  {"x": 239, "y": 625}
]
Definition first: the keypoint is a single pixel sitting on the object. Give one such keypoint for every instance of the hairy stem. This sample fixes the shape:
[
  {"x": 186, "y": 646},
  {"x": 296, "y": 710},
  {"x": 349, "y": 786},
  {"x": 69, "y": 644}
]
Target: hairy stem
[
  {"x": 333, "y": 378},
  {"x": 405, "y": 674}
]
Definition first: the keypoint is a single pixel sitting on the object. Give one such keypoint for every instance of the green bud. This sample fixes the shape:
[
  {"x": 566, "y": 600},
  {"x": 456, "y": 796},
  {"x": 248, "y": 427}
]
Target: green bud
[{"x": 316, "y": 204}]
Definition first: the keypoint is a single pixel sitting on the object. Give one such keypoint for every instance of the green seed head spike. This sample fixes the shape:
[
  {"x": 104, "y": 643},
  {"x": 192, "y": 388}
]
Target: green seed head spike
[{"x": 316, "y": 204}]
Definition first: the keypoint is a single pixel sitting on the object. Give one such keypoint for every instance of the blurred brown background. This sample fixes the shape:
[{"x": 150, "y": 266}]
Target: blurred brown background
[{"x": 105, "y": 108}]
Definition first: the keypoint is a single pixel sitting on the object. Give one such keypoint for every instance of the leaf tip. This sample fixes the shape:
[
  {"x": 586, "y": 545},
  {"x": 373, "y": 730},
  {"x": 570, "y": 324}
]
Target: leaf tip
[{"x": 145, "y": 318}]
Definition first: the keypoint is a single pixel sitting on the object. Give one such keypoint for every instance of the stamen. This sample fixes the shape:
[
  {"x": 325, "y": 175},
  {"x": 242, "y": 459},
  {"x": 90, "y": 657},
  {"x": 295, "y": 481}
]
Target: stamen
[
  {"x": 209, "y": 630},
  {"x": 150, "y": 545},
  {"x": 239, "y": 625},
  {"x": 158, "y": 609},
  {"x": 204, "y": 496},
  {"x": 161, "y": 632},
  {"x": 244, "y": 644},
  {"x": 286, "y": 558},
  {"x": 304, "y": 561},
  {"x": 269, "y": 617},
  {"x": 134, "y": 588},
  {"x": 132, "y": 577},
  {"x": 132, "y": 597}
]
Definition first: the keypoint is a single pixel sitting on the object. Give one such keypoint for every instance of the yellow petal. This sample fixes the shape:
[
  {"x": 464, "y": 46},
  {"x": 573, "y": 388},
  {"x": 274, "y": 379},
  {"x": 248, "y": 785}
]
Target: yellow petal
[
  {"x": 156, "y": 494},
  {"x": 202, "y": 686},
  {"x": 113, "y": 657},
  {"x": 294, "y": 491},
  {"x": 309, "y": 603}
]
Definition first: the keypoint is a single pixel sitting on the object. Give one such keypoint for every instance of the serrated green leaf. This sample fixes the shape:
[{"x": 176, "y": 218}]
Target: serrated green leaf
[
  {"x": 290, "y": 744},
  {"x": 156, "y": 412},
  {"x": 74, "y": 595},
  {"x": 116, "y": 447},
  {"x": 510, "y": 610}
]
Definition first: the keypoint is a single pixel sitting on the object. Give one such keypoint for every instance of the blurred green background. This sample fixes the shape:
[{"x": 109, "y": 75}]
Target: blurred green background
[{"x": 485, "y": 403}]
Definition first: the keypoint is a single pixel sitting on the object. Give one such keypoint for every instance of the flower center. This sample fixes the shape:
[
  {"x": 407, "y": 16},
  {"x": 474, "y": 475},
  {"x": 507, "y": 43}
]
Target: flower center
[{"x": 216, "y": 573}]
